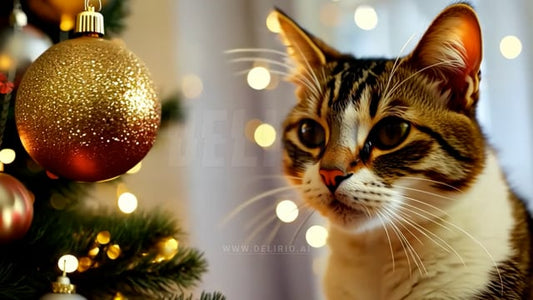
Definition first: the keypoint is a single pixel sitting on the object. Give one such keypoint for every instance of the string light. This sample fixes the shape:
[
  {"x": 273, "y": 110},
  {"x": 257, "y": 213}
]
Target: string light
[
  {"x": 84, "y": 264},
  {"x": 365, "y": 17},
  {"x": 7, "y": 156},
  {"x": 287, "y": 211},
  {"x": 258, "y": 78},
  {"x": 167, "y": 249},
  {"x": 272, "y": 23},
  {"x": 510, "y": 47},
  {"x": 316, "y": 236},
  {"x": 113, "y": 252},
  {"x": 94, "y": 251},
  {"x": 265, "y": 135},
  {"x": 103, "y": 237},
  {"x": 127, "y": 202},
  {"x": 68, "y": 263},
  {"x": 192, "y": 86}
]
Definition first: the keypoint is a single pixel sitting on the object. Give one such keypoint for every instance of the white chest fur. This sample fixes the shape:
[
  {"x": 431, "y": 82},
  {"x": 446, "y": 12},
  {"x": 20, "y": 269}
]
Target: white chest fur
[{"x": 451, "y": 260}]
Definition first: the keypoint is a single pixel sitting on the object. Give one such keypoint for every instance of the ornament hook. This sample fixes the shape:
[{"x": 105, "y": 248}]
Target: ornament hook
[{"x": 88, "y": 5}]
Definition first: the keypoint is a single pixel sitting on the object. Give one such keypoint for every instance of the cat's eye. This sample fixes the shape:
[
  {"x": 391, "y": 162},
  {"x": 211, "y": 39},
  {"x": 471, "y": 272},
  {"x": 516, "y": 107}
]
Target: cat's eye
[
  {"x": 390, "y": 132},
  {"x": 311, "y": 133}
]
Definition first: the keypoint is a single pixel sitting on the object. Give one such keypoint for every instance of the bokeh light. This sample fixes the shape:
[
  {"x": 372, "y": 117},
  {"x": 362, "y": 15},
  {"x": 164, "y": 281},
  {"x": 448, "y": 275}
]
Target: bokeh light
[
  {"x": 287, "y": 211},
  {"x": 250, "y": 127},
  {"x": 265, "y": 135},
  {"x": 258, "y": 78},
  {"x": 7, "y": 156},
  {"x": 127, "y": 202},
  {"x": 103, "y": 237},
  {"x": 192, "y": 86},
  {"x": 365, "y": 17},
  {"x": 113, "y": 252},
  {"x": 316, "y": 236},
  {"x": 272, "y": 22},
  {"x": 68, "y": 263},
  {"x": 510, "y": 47}
]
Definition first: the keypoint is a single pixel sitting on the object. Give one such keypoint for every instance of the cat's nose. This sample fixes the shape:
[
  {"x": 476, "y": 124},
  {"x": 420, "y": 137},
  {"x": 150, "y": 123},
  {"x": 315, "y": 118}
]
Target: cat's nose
[{"x": 332, "y": 178}]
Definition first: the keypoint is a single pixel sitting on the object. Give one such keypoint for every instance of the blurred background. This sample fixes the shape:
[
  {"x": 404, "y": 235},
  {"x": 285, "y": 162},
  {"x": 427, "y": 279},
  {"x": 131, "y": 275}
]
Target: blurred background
[{"x": 227, "y": 151}]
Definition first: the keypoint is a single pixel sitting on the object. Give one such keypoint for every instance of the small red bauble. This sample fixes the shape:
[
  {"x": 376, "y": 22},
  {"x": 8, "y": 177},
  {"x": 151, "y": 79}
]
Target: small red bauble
[{"x": 16, "y": 208}]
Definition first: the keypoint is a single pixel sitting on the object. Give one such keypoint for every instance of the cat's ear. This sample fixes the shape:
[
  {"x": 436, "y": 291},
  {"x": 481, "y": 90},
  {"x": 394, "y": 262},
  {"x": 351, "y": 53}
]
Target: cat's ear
[
  {"x": 450, "y": 50},
  {"x": 304, "y": 49}
]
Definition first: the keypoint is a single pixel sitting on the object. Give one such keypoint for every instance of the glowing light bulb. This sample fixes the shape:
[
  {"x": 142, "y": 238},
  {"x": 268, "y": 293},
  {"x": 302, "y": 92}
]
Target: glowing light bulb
[
  {"x": 192, "y": 86},
  {"x": 365, "y": 17},
  {"x": 103, "y": 237},
  {"x": 94, "y": 251},
  {"x": 510, "y": 47},
  {"x": 316, "y": 236},
  {"x": 250, "y": 127},
  {"x": 287, "y": 211},
  {"x": 272, "y": 22},
  {"x": 258, "y": 78},
  {"x": 66, "y": 23},
  {"x": 127, "y": 202},
  {"x": 7, "y": 156},
  {"x": 84, "y": 264},
  {"x": 113, "y": 252},
  {"x": 265, "y": 135},
  {"x": 68, "y": 263}
]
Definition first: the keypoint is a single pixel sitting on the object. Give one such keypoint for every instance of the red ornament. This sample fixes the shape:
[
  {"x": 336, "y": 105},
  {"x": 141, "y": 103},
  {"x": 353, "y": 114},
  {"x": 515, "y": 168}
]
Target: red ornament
[
  {"x": 5, "y": 86},
  {"x": 16, "y": 208}
]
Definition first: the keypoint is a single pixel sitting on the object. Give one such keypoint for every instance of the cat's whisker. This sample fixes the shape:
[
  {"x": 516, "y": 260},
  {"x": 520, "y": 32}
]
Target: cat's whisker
[
  {"x": 300, "y": 79},
  {"x": 394, "y": 216},
  {"x": 309, "y": 69},
  {"x": 260, "y": 228},
  {"x": 466, "y": 233},
  {"x": 300, "y": 226},
  {"x": 416, "y": 257},
  {"x": 424, "y": 231},
  {"x": 396, "y": 64},
  {"x": 261, "y": 60},
  {"x": 441, "y": 63},
  {"x": 388, "y": 239},
  {"x": 310, "y": 83},
  {"x": 257, "y": 218},
  {"x": 273, "y": 233},
  {"x": 424, "y": 192},
  {"x": 399, "y": 235},
  {"x": 439, "y": 210},
  {"x": 431, "y": 217},
  {"x": 259, "y": 197},
  {"x": 435, "y": 182},
  {"x": 256, "y": 50}
]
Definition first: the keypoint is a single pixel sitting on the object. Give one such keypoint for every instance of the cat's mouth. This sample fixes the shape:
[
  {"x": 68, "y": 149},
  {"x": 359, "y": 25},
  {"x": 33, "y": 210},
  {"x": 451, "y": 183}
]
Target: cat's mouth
[{"x": 338, "y": 207}]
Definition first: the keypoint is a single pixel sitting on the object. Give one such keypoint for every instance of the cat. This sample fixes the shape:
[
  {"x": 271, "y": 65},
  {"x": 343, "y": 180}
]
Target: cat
[{"x": 391, "y": 153}]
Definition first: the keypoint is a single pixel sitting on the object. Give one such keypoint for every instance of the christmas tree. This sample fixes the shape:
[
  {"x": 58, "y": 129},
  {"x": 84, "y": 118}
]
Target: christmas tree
[{"x": 45, "y": 228}]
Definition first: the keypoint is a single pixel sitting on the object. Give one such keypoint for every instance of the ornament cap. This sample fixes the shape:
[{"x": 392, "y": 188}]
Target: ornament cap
[
  {"x": 63, "y": 286},
  {"x": 18, "y": 18},
  {"x": 90, "y": 21}
]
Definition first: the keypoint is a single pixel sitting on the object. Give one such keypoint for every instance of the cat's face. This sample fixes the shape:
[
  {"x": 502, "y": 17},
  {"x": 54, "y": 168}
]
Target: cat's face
[{"x": 374, "y": 141}]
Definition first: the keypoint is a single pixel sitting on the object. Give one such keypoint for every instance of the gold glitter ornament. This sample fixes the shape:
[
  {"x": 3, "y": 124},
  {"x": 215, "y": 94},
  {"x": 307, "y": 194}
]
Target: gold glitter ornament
[{"x": 87, "y": 109}]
